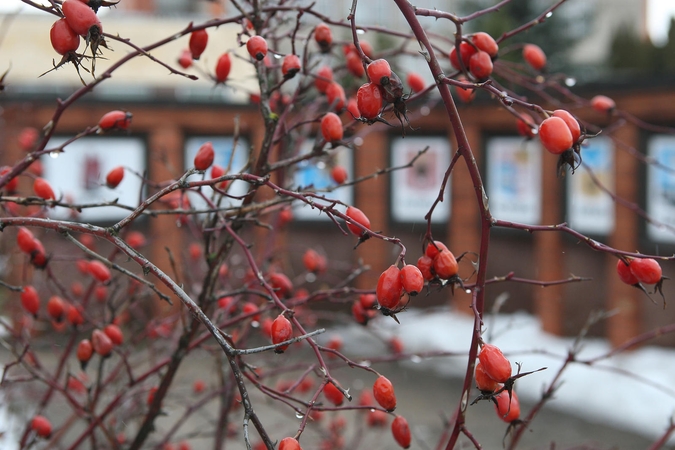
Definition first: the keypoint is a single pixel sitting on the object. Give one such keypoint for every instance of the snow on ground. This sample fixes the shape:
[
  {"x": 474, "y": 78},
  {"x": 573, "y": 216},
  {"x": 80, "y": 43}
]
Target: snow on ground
[{"x": 643, "y": 402}]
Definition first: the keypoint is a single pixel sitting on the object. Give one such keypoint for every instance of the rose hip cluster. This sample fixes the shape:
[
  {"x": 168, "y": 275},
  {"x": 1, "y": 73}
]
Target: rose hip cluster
[{"x": 493, "y": 373}]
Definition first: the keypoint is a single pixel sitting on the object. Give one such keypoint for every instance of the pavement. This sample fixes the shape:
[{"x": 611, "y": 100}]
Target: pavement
[{"x": 424, "y": 398}]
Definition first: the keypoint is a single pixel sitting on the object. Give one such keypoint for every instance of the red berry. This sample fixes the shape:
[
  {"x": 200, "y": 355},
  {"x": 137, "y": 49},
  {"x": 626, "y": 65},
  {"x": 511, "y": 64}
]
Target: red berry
[
  {"x": 646, "y": 270},
  {"x": 204, "y": 157},
  {"x": 41, "y": 425},
  {"x": 74, "y": 314},
  {"x": 285, "y": 216},
  {"x": 185, "y": 59},
  {"x": 415, "y": 81},
  {"x": 223, "y": 66},
  {"x": 353, "y": 107},
  {"x": 56, "y": 308},
  {"x": 465, "y": 95},
  {"x": 198, "y": 41},
  {"x": 383, "y": 391},
  {"x": 571, "y": 122},
  {"x": 26, "y": 241},
  {"x": 136, "y": 240},
  {"x": 289, "y": 443},
  {"x": 526, "y": 129},
  {"x": 114, "y": 177},
  {"x": 401, "y": 431},
  {"x": 281, "y": 284},
  {"x": 114, "y": 333},
  {"x": 356, "y": 215},
  {"x": 555, "y": 135},
  {"x": 425, "y": 264},
  {"x": 324, "y": 76},
  {"x": 396, "y": 345},
  {"x": 379, "y": 71},
  {"x": 355, "y": 64},
  {"x": 508, "y": 409},
  {"x": 13, "y": 183},
  {"x": 359, "y": 313},
  {"x": 483, "y": 380},
  {"x": 151, "y": 398},
  {"x": 412, "y": 279},
  {"x": 323, "y": 36},
  {"x": 313, "y": 261},
  {"x": 331, "y": 127},
  {"x": 486, "y": 43},
  {"x": 389, "y": 288},
  {"x": 466, "y": 50},
  {"x": 84, "y": 350},
  {"x": 115, "y": 120},
  {"x": 198, "y": 386},
  {"x": 494, "y": 363},
  {"x": 101, "y": 343},
  {"x": 333, "y": 394},
  {"x": 480, "y": 65},
  {"x": 335, "y": 95},
  {"x": 27, "y": 138},
  {"x": 81, "y": 18},
  {"x": 445, "y": 265},
  {"x": 282, "y": 330},
  {"x": 534, "y": 56},
  {"x": 625, "y": 274},
  {"x": 30, "y": 300},
  {"x": 250, "y": 308},
  {"x": 339, "y": 174},
  {"x": 290, "y": 66},
  {"x": 99, "y": 271},
  {"x": 43, "y": 189},
  {"x": 369, "y": 100},
  {"x": 376, "y": 418},
  {"x": 368, "y": 301},
  {"x": 257, "y": 47},
  {"x": 602, "y": 104},
  {"x": 64, "y": 39}
]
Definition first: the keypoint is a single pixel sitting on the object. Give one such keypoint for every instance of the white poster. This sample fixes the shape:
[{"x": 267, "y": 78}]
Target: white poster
[
  {"x": 79, "y": 175},
  {"x": 589, "y": 208},
  {"x": 224, "y": 157},
  {"x": 514, "y": 179},
  {"x": 661, "y": 188},
  {"x": 414, "y": 190},
  {"x": 315, "y": 174}
]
